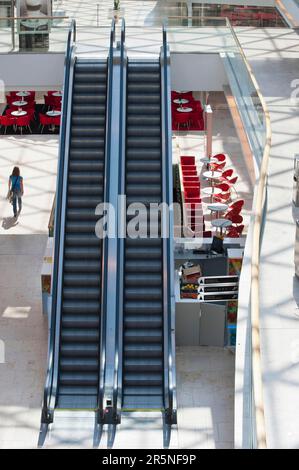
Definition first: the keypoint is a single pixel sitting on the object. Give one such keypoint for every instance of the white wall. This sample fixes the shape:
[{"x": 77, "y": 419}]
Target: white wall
[
  {"x": 198, "y": 72},
  {"x": 31, "y": 71}
]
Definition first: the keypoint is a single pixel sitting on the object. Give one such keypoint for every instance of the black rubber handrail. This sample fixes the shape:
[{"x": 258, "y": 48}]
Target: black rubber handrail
[
  {"x": 49, "y": 398},
  {"x": 168, "y": 262},
  {"x": 104, "y": 313},
  {"x": 121, "y": 241}
]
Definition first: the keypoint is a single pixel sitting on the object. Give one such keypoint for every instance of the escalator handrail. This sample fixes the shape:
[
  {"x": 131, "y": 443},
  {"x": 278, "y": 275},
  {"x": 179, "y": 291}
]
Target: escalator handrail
[
  {"x": 121, "y": 241},
  {"x": 49, "y": 397},
  {"x": 168, "y": 262},
  {"x": 104, "y": 313}
]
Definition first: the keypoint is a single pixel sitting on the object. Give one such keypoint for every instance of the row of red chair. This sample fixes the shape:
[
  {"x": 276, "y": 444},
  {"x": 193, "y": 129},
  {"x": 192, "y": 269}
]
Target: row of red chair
[
  {"x": 48, "y": 121},
  {"x": 190, "y": 120},
  {"x": 16, "y": 122}
]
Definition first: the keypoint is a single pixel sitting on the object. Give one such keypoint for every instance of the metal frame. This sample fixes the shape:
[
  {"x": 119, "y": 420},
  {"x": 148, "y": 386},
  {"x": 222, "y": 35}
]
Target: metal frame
[
  {"x": 50, "y": 390},
  {"x": 104, "y": 338},
  {"x": 170, "y": 404}
]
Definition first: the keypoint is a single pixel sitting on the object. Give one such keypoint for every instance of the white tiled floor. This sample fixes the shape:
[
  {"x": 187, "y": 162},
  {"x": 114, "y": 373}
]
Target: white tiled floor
[{"x": 205, "y": 395}]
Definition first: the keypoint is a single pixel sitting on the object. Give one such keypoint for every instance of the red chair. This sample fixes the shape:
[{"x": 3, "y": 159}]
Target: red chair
[
  {"x": 227, "y": 173},
  {"x": 224, "y": 187},
  {"x": 49, "y": 102},
  {"x": 220, "y": 157},
  {"x": 233, "y": 180},
  {"x": 23, "y": 121},
  {"x": 225, "y": 197},
  {"x": 186, "y": 160},
  {"x": 44, "y": 121},
  {"x": 237, "y": 205},
  {"x": 195, "y": 119},
  {"x": 56, "y": 121},
  {"x": 232, "y": 233},
  {"x": 235, "y": 218},
  {"x": 10, "y": 99},
  {"x": 217, "y": 166},
  {"x": 181, "y": 120},
  {"x": 7, "y": 121}
]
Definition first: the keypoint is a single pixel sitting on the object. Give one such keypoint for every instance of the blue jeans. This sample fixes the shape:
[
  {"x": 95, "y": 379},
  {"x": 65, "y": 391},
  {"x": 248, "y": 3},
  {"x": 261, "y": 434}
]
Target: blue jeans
[{"x": 17, "y": 198}]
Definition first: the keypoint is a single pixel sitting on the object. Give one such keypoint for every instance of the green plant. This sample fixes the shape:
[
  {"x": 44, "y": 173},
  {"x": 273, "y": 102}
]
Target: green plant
[{"x": 116, "y": 4}]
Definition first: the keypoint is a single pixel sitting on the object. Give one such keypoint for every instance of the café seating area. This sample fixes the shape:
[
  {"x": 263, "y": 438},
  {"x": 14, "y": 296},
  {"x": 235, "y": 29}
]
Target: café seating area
[
  {"x": 24, "y": 115},
  {"x": 223, "y": 209},
  {"x": 187, "y": 113}
]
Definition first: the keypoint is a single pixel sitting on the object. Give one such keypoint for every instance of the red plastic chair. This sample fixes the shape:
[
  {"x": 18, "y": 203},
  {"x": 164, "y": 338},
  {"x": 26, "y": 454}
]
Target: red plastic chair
[
  {"x": 44, "y": 121},
  {"x": 240, "y": 229},
  {"x": 225, "y": 187},
  {"x": 220, "y": 157},
  {"x": 227, "y": 173},
  {"x": 237, "y": 205},
  {"x": 217, "y": 166},
  {"x": 23, "y": 121},
  {"x": 232, "y": 233},
  {"x": 181, "y": 120},
  {"x": 7, "y": 121},
  {"x": 235, "y": 218},
  {"x": 224, "y": 197},
  {"x": 233, "y": 180},
  {"x": 186, "y": 160}
]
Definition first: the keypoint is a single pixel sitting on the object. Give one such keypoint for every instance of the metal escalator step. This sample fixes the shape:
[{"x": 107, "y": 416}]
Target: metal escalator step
[
  {"x": 78, "y": 378},
  {"x": 146, "y": 88},
  {"x": 88, "y": 252},
  {"x": 82, "y": 155},
  {"x": 90, "y": 202},
  {"x": 85, "y": 306},
  {"x": 85, "y": 190},
  {"x": 136, "y": 189},
  {"x": 89, "y": 109},
  {"x": 140, "y": 364},
  {"x": 79, "y": 335},
  {"x": 84, "y": 177},
  {"x": 144, "y": 98},
  {"x": 83, "y": 240},
  {"x": 143, "y": 335},
  {"x": 142, "y": 165},
  {"x": 93, "y": 166},
  {"x": 78, "y": 400},
  {"x": 141, "y": 350},
  {"x": 141, "y": 252},
  {"x": 82, "y": 227},
  {"x": 137, "y": 109},
  {"x": 140, "y": 267},
  {"x": 143, "y": 293},
  {"x": 143, "y": 321},
  {"x": 143, "y": 279},
  {"x": 142, "y": 307},
  {"x": 82, "y": 280},
  {"x": 82, "y": 292},
  {"x": 139, "y": 177},
  {"x": 81, "y": 266},
  {"x": 147, "y": 120},
  {"x": 87, "y": 132},
  {"x": 147, "y": 154},
  {"x": 78, "y": 350},
  {"x": 89, "y": 98},
  {"x": 143, "y": 143},
  {"x": 82, "y": 364},
  {"x": 143, "y": 131},
  {"x": 143, "y": 379},
  {"x": 87, "y": 142},
  {"x": 82, "y": 215},
  {"x": 141, "y": 77},
  {"x": 96, "y": 121},
  {"x": 80, "y": 321},
  {"x": 91, "y": 88},
  {"x": 78, "y": 390}
]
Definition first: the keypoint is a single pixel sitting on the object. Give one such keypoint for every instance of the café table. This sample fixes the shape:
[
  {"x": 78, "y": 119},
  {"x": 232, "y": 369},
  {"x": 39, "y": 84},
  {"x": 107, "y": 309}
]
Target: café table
[
  {"x": 184, "y": 110},
  {"x": 221, "y": 223},
  {"x": 57, "y": 93},
  {"x": 18, "y": 113},
  {"x": 53, "y": 114},
  {"x": 19, "y": 103},
  {"x": 211, "y": 191},
  {"x": 181, "y": 101},
  {"x": 217, "y": 207}
]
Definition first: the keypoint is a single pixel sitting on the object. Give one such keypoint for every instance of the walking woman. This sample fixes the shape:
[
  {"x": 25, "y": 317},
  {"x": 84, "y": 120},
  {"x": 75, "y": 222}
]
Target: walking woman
[{"x": 16, "y": 187}]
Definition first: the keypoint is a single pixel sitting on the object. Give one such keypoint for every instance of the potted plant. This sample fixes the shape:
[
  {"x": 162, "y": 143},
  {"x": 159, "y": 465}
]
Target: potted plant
[{"x": 116, "y": 8}]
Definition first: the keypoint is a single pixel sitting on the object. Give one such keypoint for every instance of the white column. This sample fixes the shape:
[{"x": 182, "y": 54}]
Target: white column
[{"x": 209, "y": 129}]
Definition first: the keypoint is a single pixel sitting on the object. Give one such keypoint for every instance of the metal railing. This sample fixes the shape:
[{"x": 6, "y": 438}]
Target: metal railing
[
  {"x": 104, "y": 268},
  {"x": 259, "y": 433},
  {"x": 49, "y": 399},
  {"x": 168, "y": 255}
]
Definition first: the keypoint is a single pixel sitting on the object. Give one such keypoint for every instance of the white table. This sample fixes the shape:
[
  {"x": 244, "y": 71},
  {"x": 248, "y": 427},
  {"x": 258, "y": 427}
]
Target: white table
[
  {"x": 211, "y": 191},
  {"x": 221, "y": 223},
  {"x": 53, "y": 113},
  {"x": 22, "y": 94},
  {"x": 212, "y": 175},
  {"x": 208, "y": 160},
  {"x": 18, "y": 113},
  {"x": 184, "y": 110},
  {"x": 57, "y": 93},
  {"x": 19, "y": 103},
  {"x": 218, "y": 207},
  {"x": 181, "y": 92},
  {"x": 181, "y": 101}
]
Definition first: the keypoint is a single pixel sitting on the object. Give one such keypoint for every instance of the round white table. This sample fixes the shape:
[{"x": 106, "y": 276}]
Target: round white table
[
  {"x": 57, "y": 93},
  {"x": 22, "y": 94},
  {"x": 211, "y": 191},
  {"x": 218, "y": 207},
  {"x": 181, "y": 92},
  {"x": 184, "y": 110},
  {"x": 181, "y": 101},
  {"x": 19, "y": 113},
  {"x": 221, "y": 223},
  {"x": 53, "y": 113},
  {"x": 212, "y": 175},
  {"x": 19, "y": 103}
]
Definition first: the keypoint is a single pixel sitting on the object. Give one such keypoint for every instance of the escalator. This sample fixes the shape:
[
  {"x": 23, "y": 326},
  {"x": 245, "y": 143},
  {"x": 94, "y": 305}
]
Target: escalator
[
  {"x": 81, "y": 282},
  {"x": 74, "y": 356},
  {"x": 143, "y": 367}
]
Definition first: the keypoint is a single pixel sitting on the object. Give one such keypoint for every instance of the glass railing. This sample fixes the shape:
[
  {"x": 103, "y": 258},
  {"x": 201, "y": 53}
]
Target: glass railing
[{"x": 31, "y": 34}]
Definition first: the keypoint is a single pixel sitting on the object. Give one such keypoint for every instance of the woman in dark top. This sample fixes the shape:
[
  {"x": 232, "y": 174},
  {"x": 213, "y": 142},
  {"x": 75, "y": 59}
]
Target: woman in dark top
[{"x": 15, "y": 184}]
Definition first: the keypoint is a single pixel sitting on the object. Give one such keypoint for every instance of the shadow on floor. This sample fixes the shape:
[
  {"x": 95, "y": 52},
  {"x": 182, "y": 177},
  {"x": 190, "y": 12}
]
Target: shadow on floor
[{"x": 9, "y": 222}]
